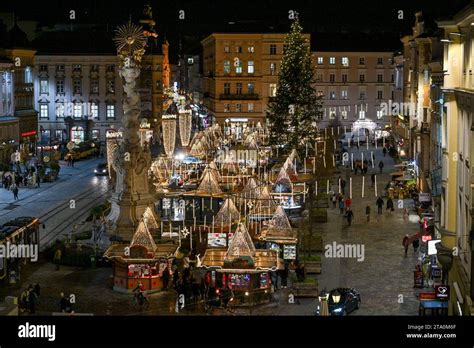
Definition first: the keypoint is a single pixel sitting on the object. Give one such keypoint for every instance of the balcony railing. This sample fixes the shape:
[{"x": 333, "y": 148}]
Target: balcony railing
[{"x": 238, "y": 96}]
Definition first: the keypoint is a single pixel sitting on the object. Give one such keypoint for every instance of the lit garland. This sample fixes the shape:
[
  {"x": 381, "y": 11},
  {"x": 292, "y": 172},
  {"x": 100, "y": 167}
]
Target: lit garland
[
  {"x": 169, "y": 133},
  {"x": 185, "y": 119}
]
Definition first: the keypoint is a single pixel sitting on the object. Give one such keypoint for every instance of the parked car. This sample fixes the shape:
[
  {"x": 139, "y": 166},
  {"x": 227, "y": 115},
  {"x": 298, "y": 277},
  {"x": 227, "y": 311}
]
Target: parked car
[
  {"x": 342, "y": 301},
  {"x": 101, "y": 169}
]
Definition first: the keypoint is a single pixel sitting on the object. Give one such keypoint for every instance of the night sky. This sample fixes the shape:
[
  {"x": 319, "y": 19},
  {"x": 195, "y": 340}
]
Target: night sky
[{"x": 372, "y": 17}]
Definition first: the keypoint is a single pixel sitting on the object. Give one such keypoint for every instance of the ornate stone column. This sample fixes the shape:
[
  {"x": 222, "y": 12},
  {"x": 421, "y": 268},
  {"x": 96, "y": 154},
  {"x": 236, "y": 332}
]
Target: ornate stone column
[{"x": 131, "y": 161}]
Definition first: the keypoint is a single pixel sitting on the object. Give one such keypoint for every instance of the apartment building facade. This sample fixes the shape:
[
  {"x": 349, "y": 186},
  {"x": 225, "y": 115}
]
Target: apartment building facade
[
  {"x": 355, "y": 86},
  {"x": 457, "y": 200},
  {"x": 240, "y": 75}
]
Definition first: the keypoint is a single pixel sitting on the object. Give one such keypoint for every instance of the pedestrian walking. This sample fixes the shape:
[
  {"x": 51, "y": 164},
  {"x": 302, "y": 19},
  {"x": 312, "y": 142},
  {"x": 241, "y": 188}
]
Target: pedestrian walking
[
  {"x": 390, "y": 205},
  {"x": 32, "y": 299},
  {"x": 379, "y": 203},
  {"x": 367, "y": 212},
  {"x": 381, "y": 166},
  {"x": 405, "y": 214},
  {"x": 37, "y": 179},
  {"x": 416, "y": 244},
  {"x": 341, "y": 206},
  {"x": 284, "y": 277},
  {"x": 57, "y": 258},
  {"x": 349, "y": 216},
  {"x": 63, "y": 303},
  {"x": 166, "y": 278},
  {"x": 15, "y": 192},
  {"x": 348, "y": 202},
  {"x": 384, "y": 151},
  {"x": 372, "y": 179},
  {"x": 405, "y": 243},
  {"x": 343, "y": 186},
  {"x": 334, "y": 200}
]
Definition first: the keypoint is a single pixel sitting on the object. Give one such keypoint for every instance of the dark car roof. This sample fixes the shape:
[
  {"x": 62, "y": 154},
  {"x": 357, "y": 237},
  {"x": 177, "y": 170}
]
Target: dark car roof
[{"x": 102, "y": 165}]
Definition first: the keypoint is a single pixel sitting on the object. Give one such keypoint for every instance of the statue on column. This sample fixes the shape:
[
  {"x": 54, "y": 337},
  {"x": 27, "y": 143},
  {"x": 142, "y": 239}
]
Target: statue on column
[{"x": 130, "y": 160}]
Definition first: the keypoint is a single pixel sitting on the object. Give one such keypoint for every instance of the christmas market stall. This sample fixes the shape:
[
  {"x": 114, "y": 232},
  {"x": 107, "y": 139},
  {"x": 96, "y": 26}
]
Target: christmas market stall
[
  {"x": 140, "y": 261},
  {"x": 241, "y": 267}
]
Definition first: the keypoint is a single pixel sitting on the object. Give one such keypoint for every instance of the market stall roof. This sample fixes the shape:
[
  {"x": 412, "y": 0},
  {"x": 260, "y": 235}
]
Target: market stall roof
[
  {"x": 149, "y": 219},
  {"x": 228, "y": 213},
  {"x": 283, "y": 178},
  {"x": 264, "y": 203},
  {"x": 209, "y": 183},
  {"x": 241, "y": 244},
  {"x": 397, "y": 173},
  {"x": 279, "y": 229},
  {"x": 117, "y": 252}
]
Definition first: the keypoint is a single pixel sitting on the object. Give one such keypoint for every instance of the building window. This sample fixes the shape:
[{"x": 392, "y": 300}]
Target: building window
[
  {"x": 320, "y": 60},
  {"x": 344, "y": 114},
  {"x": 250, "y": 67},
  {"x": 332, "y": 95},
  {"x": 392, "y": 95},
  {"x": 272, "y": 68},
  {"x": 273, "y": 49},
  {"x": 319, "y": 78},
  {"x": 227, "y": 49},
  {"x": 250, "y": 88},
  {"x": 60, "y": 110},
  {"x": 110, "y": 86},
  {"x": 44, "y": 86},
  {"x": 226, "y": 107},
  {"x": 379, "y": 78},
  {"x": 60, "y": 67},
  {"x": 344, "y": 78},
  {"x": 332, "y": 114},
  {"x": 43, "y": 68},
  {"x": 332, "y": 78},
  {"x": 77, "y": 111},
  {"x": 226, "y": 66},
  {"x": 77, "y": 67},
  {"x": 226, "y": 88},
  {"x": 344, "y": 94},
  {"x": 251, "y": 49},
  {"x": 320, "y": 94},
  {"x": 110, "y": 112},
  {"x": 238, "y": 49},
  {"x": 58, "y": 134},
  {"x": 110, "y": 68},
  {"x": 94, "y": 86},
  {"x": 95, "y": 134},
  {"x": 361, "y": 115},
  {"x": 238, "y": 107},
  {"x": 238, "y": 66},
  {"x": 362, "y": 95},
  {"x": 59, "y": 86},
  {"x": 95, "y": 67},
  {"x": 361, "y": 78},
  {"x": 238, "y": 89},
  {"x": 392, "y": 78},
  {"x": 345, "y": 61},
  {"x": 250, "y": 107},
  {"x": 77, "y": 134},
  {"x": 380, "y": 61},
  {"x": 44, "y": 111},
  {"x": 332, "y": 60},
  {"x": 379, "y": 114},
  {"x": 46, "y": 136},
  {"x": 379, "y": 94},
  {"x": 77, "y": 86},
  {"x": 273, "y": 90},
  {"x": 95, "y": 111},
  {"x": 361, "y": 61}
]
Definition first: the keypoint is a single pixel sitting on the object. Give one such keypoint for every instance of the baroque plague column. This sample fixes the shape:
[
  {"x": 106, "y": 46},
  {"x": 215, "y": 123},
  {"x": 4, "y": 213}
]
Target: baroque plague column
[{"x": 131, "y": 161}]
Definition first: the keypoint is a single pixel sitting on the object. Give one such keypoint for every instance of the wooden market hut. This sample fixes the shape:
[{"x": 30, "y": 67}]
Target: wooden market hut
[{"x": 140, "y": 261}]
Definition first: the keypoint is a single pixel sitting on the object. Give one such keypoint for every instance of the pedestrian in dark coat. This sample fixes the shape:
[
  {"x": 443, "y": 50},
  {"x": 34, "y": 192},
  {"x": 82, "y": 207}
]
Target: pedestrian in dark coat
[
  {"x": 32, "y": 299},
  {"x": 416, "y": 244},
  {"x": 390, "y": 205},
  {"x": 15, "y": 192},
  {"x": 367, "y": 212},
  {"x": 372, "y": 179},
  {"x": 381, "y": 166},
  {"x": 379, "y": 203},
  {"x": 350, "y": 216},
  {"x": 384, "y": 151},
  {"x": 405, "y": 243},
  {"x": 166, "y": 278}
]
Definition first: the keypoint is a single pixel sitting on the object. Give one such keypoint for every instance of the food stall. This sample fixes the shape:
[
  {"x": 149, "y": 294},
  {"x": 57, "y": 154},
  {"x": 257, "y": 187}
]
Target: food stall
[
  {"x": 140, "y": 261},
  {"x": 243, "y": 268}
]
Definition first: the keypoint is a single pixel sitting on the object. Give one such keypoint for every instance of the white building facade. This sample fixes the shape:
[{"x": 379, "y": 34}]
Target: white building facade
[{"x": 78, "y": 97}]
